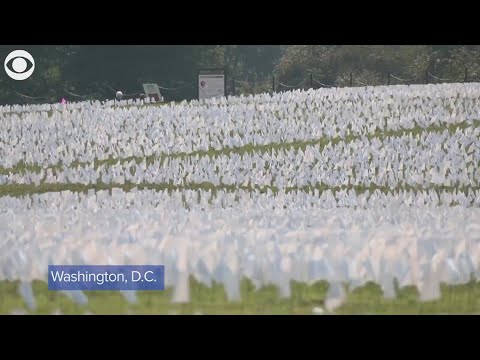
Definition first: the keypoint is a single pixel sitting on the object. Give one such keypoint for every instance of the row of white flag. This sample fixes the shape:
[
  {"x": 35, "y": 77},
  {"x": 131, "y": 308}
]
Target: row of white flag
[
  {"x": 102, "y": 132},
  {"x": 421, "y": 246},
  {"x": 426, "y": 160}
]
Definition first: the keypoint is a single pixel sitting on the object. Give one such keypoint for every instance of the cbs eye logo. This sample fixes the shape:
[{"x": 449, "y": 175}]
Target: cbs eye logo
[{"x": 16, "y": 65}]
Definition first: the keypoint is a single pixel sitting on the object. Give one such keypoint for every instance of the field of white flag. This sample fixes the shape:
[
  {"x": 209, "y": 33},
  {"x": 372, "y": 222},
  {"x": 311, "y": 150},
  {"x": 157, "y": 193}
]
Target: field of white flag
[{"x": 345, "y": 185}]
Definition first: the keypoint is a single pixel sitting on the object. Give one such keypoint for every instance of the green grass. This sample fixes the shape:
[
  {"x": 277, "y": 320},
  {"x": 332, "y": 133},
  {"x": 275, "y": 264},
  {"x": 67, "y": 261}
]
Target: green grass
[
  {"x": 18, "y": 190},
  {"x": 459, "y": 299}
]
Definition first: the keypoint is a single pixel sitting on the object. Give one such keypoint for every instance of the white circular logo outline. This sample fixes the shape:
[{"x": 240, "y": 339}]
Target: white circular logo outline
[{"x": 14, "y": 75}]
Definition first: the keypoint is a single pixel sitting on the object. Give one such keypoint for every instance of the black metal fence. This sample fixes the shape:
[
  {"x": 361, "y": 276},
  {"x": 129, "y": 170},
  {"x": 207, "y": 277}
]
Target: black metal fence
[{"x": 312, "y": 82}]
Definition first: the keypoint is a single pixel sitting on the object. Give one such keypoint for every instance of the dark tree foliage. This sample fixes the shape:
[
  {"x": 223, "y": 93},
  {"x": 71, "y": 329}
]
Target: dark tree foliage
[
  {"x": 80, "y": 72},
  {"x": 370, "y": 64}
]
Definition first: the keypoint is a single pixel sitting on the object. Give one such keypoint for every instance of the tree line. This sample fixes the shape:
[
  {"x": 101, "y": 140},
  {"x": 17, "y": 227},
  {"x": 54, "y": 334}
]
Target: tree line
[{"x": 92, "y": 71}]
